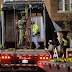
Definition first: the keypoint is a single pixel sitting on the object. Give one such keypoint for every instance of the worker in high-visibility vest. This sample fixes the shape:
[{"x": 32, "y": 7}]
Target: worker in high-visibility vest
[
  {"x": 0, "y": 16},
  {"x": 35, "y": 32},
  {"x": 51, "y": 47},
  {"x": 21, "y": 34},
  {"x": 64, "y": 45},
  {"x": 0, "y": 11},
  {"x": 0, "y": 46}
]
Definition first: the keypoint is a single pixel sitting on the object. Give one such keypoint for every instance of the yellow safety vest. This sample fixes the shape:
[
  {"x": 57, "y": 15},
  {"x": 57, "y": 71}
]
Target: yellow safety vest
[
  {"x": 0, "y": 11},
  {"x": 21, "y": 35},
  {"x": 65, "y": 42},
  {"x": 0, "y": 46},
  {"x": 26, "y": 33},
  {"x": 35, "y": 29},
  {"x": 51, "y": 47}
]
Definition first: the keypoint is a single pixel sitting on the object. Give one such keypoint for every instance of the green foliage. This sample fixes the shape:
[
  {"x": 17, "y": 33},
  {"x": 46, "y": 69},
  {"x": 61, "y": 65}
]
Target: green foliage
[
  {"x": 69, "y": 36},
  {"x": 68, "y": 23},
  {"x": 67, "y": 27}
]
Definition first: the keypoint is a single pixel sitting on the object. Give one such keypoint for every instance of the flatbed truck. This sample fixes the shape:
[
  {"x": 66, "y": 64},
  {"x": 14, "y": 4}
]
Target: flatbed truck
[{"x": 21, "y": 59}]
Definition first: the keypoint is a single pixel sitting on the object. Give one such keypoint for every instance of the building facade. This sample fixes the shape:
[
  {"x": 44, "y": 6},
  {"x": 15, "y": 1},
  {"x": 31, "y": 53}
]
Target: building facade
[
  {"x": 56, "y": 9},
  {"x": 1, "y": 1}
]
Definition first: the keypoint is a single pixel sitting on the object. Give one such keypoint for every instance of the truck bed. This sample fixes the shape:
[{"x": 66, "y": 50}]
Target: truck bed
[{"x": 24, "y": 52}]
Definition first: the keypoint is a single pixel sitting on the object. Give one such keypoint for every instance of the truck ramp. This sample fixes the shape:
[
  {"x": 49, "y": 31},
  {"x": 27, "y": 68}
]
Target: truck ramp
[{"x": 55, "y": 66}]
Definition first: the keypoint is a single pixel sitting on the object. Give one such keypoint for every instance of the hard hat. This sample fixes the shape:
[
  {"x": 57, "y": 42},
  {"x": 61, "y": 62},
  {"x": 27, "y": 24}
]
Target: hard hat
[
  {"x": 50, "y": 41},
  {"x": 32, "y": 22}
]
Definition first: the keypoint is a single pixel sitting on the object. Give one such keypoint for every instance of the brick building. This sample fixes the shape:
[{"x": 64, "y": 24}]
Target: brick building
[
  {"x": 1, "y": 1},
  {"x": 56, "y": 9}
]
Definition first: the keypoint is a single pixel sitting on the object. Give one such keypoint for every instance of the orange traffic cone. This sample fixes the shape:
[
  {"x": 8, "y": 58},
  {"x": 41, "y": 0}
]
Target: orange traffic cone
[{"x": 55, "y": 54}]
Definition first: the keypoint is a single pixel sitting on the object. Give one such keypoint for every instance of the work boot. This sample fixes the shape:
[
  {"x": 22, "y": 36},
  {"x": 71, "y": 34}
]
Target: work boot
[
  {"x": 24, "y": 48},
  {"x": 36, "y": 48}
]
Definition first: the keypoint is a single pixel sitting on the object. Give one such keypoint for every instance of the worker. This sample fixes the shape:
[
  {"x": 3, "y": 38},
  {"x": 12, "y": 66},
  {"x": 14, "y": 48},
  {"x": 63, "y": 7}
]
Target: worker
[
  {"x": 64, "y": 45},
  {"x": 51, "y": 47},
  {"x": 35, "y": 32},
  {"x": 22, "y": 33},
  {"x": 22, "y": 24},
  {"x": 0, "y": 46}
]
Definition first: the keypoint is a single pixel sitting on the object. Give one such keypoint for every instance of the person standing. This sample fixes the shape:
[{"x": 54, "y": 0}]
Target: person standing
[
  {"x": 64, "y": 45},
  {"x": 34, "y": 33},
  {"x": 51, "y": 48}
]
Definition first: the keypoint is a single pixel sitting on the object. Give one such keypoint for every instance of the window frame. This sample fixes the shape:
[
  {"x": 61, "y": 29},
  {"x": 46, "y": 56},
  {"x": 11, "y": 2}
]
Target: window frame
[{"x": 63, "y": 9}]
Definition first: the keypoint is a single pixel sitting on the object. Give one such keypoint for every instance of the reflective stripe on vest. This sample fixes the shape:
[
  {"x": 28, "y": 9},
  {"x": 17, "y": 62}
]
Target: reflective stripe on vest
[
  {"x": 35, "y": 29},
  {"x": 65, "y": 42}
]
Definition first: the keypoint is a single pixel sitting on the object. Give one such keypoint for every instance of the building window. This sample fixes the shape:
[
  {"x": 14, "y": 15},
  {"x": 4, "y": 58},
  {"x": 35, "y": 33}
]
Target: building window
[
  {"x": 60, "y": 7},
  {"x": 67, "y": 4},
  {"x": 64, "y": 5}
]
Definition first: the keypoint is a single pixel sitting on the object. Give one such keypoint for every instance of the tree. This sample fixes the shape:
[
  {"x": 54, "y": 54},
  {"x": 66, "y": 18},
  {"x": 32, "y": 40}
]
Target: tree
[{"x": 68, "y": 23}]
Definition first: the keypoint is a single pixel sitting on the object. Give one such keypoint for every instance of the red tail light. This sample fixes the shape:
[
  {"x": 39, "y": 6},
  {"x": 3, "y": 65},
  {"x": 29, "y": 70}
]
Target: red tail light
[
  {"x": 40, "y": 58},
  {"x": 2, "y": 57},
  {"x": 39, "y": 63},
  {"x": 5, "y": 57},
  {"x": 9, "y": 57},
  {"x": 44, "y": 58},
  {"x": 47, "y": 58}
]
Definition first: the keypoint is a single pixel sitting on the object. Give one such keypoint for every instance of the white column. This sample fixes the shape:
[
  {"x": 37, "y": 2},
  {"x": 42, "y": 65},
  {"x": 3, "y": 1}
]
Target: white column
[
  {"x": 70, "y": 43},
  {"x": 60, "y": 35},
  {"x": 63, "y": 5},
  {"x": 70, "y": 5},
  {"x": 3, "y": 28}
]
